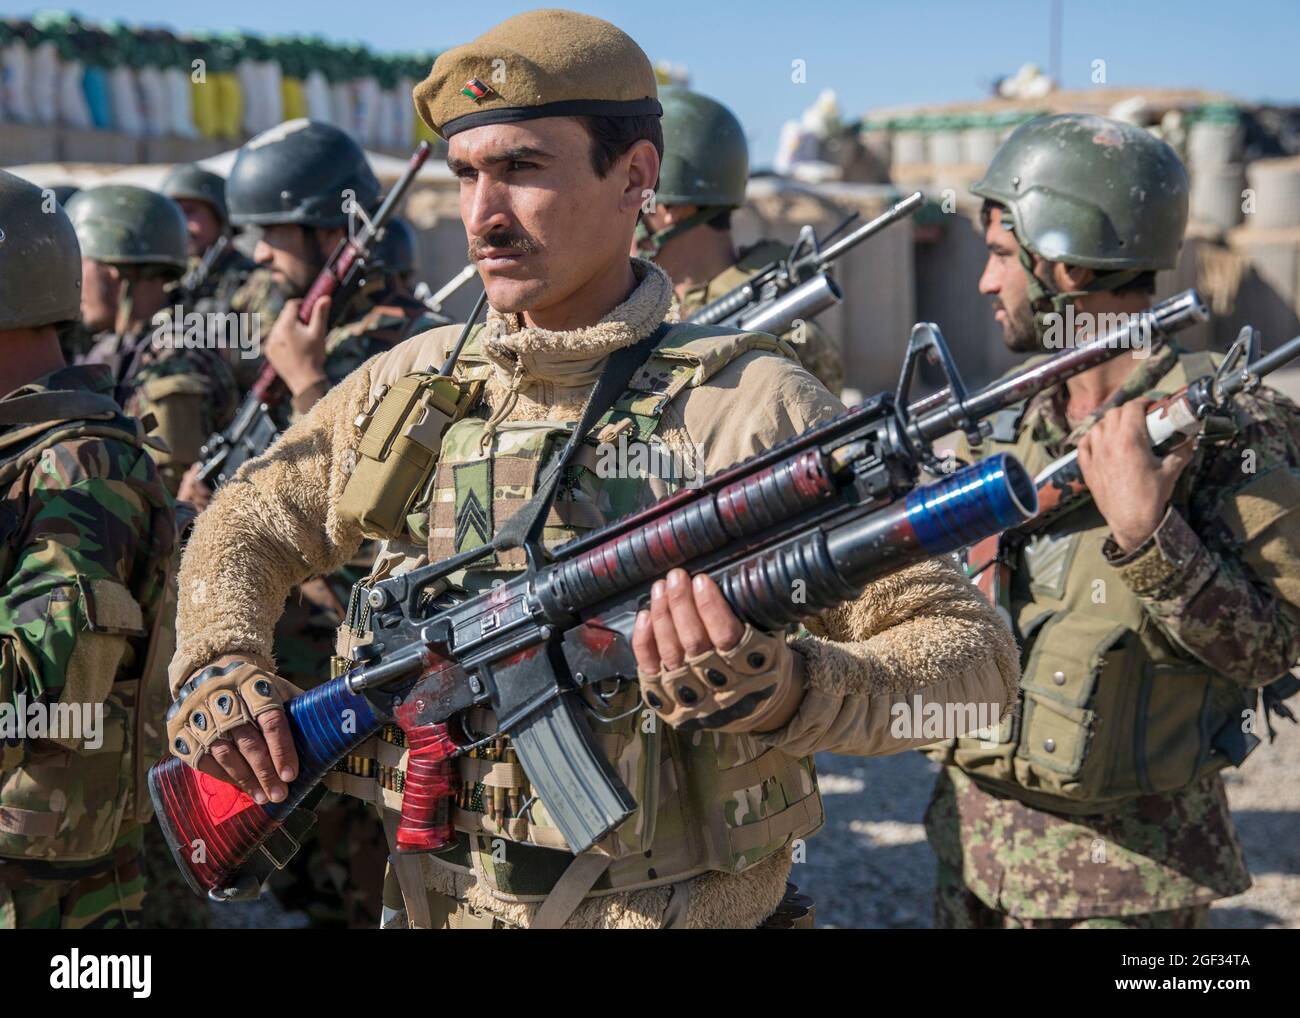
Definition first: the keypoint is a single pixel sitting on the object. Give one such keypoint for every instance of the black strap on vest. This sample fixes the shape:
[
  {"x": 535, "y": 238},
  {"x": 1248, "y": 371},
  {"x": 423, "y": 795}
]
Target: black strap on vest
[{"x": 524, "y": 527}]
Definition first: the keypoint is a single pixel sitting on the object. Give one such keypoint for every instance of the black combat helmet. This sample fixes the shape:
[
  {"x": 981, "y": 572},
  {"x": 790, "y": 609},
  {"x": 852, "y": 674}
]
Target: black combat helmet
[{"x": 300, "y": 172}]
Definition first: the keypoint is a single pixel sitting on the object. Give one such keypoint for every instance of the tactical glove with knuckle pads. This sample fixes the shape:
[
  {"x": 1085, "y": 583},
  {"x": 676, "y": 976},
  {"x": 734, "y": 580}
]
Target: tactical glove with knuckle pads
[
  {"x": 752, "y": 686},
  {"x": 230, "y": 692}
]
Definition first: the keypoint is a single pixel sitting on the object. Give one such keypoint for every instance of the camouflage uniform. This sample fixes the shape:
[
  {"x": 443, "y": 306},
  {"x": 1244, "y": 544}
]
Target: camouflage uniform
[
  {"x": 189, "y": 392},
  {"x": 87, "y": 541},
  {"x": 1154, "y": 860},
  {"x": 817, "y": 350}
]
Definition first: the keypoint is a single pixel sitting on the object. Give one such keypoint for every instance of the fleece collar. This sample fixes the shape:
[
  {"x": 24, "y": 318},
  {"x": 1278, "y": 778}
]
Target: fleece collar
[{"x": 525, "y": 355}]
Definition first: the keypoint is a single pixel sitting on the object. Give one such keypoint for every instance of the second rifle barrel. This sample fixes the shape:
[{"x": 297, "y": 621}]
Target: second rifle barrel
[
  {"x": 1177, "y": 312},
  {"x": 895, "y": 212}
]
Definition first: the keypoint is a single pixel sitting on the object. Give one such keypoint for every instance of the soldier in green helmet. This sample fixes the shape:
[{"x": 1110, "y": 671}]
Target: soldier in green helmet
[
  {"x": 86, "y": 600},
  {"x": 133, "y": 246},
  {"x": 550, "y": 199},
  {"x": 1148, "y": 619},
  {"x": 688, "y": 231},
  {"x": 217, "y": 278}
]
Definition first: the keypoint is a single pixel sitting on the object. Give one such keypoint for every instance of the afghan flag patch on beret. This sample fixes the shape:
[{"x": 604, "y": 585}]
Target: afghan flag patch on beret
[{"x": 475, "y": 89}]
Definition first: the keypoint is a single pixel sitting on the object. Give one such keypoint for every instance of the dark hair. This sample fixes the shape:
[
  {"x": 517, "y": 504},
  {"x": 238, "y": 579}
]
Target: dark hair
[
  {"x": 722, "y": 221},
  {"x": 1143, "y": 282},
  {"x": 612, "y": 136}
]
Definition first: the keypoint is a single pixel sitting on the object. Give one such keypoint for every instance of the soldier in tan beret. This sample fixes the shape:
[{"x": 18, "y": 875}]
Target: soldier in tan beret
[{"x": 552, "y": 124}]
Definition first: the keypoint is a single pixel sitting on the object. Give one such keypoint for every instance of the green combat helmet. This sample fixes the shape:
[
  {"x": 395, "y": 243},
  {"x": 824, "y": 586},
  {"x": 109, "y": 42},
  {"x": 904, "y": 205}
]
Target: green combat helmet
[
  {"x": 122, "y": 224},
  {"x": 706, "y": 161},
  {"x": 1089, "y": 191},
  {"x": 193, "y": 182},
  {"x": 299, "y": 172},
  {"x": 40, "y": 261}
]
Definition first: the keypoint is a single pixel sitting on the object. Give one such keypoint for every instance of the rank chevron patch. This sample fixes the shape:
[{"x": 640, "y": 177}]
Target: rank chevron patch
[{"x": 473, "y": 504}]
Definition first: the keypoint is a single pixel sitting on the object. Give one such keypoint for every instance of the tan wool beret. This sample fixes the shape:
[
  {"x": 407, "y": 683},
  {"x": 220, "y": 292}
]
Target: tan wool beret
[{"x": 547, "y": 63}]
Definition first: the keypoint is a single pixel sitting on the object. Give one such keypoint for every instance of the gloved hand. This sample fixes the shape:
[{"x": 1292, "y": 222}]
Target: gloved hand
[
  {"x": 228, "y": 721},
  {"x": 700, "y": 667}
]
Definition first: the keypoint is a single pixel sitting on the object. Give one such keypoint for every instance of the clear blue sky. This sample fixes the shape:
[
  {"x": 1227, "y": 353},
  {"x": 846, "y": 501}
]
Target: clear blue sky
[{"x": 872, "y": 53}]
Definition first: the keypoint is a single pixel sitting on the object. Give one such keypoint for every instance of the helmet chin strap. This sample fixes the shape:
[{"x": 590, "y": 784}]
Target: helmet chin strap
[
  {"x": 125, "y": 303},
  {"x": 649, "y": 244}
]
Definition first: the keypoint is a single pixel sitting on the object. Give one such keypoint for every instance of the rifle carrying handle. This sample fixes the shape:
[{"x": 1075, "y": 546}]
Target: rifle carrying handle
[{"x": 425, "y": 825}]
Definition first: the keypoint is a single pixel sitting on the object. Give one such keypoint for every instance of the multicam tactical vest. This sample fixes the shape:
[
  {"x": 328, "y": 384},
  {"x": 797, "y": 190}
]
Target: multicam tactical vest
[
  {"x": 1109, "y": 708},
  {"x": 69, "y": 803},
  {"x": 706, "y": 801}
]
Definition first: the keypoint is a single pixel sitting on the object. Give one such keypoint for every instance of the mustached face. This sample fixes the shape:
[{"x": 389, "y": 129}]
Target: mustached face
[{"x": 540, "y": 223}]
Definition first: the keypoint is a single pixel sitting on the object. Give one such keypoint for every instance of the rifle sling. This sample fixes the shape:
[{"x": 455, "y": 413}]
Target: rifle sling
[{"x": 526, "y": 524}]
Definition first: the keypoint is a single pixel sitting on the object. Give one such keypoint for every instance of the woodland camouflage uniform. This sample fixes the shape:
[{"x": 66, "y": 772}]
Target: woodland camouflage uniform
[
  {"x": 1100, "y": 804},
  {"x": 86, "y": 546},
  {"x": 88, "y": 532},
  {"x": 190, "y": 393}
]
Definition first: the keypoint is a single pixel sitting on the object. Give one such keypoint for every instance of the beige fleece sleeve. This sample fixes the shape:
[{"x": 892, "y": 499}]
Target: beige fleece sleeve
[
  {"x": 919, "y": 647},
  {"x": 271, "y": 526},
  {"x": 923, "y": 631}
]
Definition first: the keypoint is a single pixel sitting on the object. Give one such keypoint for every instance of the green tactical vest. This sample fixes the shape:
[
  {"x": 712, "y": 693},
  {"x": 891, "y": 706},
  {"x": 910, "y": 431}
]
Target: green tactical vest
[
  {"x": 707, "y": 801},
  {"x": 70, "y": 803},
  {"x": 1109, "y": 708}
]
